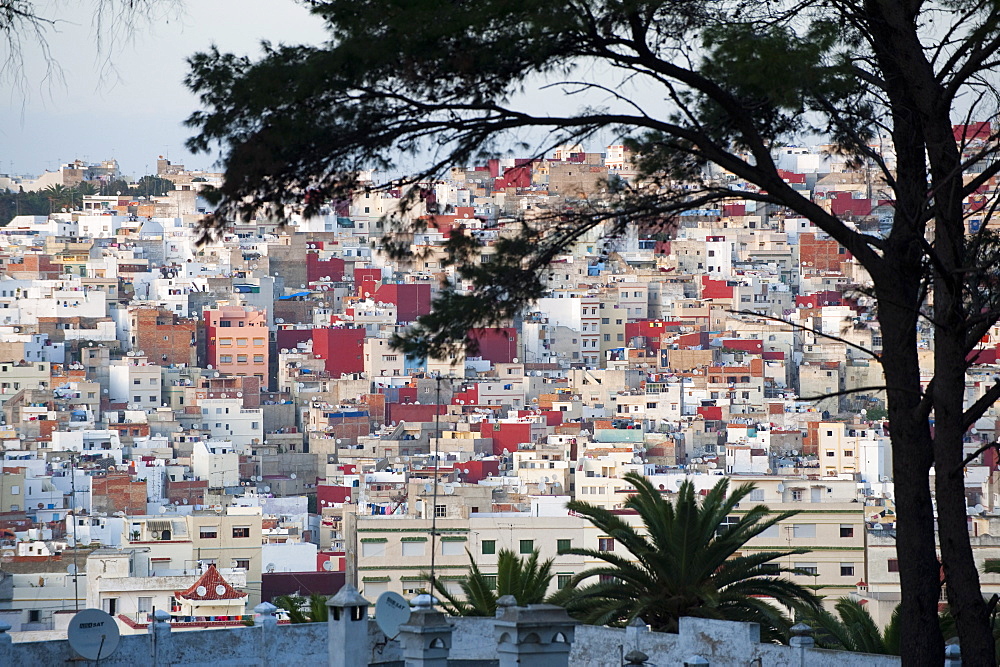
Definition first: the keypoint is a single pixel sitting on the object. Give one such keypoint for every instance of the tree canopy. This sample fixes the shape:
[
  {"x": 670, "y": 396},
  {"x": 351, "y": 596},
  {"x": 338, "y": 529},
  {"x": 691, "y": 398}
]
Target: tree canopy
[
  {"x": 420, "y": 85},
  {"x": 527, "y": 579},
  {"x": 685, "y": 561}
]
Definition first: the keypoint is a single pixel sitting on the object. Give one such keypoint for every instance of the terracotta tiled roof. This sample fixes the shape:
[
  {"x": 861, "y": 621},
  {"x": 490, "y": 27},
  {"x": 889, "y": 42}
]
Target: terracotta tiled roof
[{"x": 213, "y": 583}]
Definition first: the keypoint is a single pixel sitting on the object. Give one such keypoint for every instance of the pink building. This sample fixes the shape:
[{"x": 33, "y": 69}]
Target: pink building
[{"x": 237, "y": 341}]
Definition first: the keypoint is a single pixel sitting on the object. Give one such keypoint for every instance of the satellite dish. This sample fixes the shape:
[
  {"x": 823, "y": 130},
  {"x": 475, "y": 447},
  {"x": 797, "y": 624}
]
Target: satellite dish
[
  {"x": 220, "y": 590},
  {"x": 201, "y": 591},
  {"x": 93, "y": 634},
  {"x": 71, "y": 570},
  {"x": 270, "y": 567},
  {"x": 267, "y": 489},
  {"x": 328, "y": 565},
  {"x": 391, "y": 611},
  {"x": 293, "y": 475}
]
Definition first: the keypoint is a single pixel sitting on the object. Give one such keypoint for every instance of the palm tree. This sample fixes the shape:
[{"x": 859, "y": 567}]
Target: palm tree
[
  {"x": 854, "y": 629},
  {"x": 524, "y": 578},
  {"x": 688, "y": 562},
  {"x": 58, "y": 196},
  {"x": 296, "y": 606}
]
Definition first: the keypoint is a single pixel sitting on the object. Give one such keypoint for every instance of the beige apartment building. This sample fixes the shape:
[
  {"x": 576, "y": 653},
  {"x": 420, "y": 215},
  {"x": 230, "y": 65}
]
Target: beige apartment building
[
  {"x": 181, "y": 545},
  {"x": 393, "y": 552}
]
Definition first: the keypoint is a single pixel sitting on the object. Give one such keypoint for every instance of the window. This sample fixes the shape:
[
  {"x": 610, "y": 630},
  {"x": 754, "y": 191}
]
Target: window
[
  {"x": 258, "y": 358},
  {"x": 771, "y": 532},
  {"x": 804, "y": 530},
  {"x": 372, "y": 549},
  {"x": 796, "y": 494},
  {"x": 770, "y": 569},
  {"x": 489, "y": 547},
  {"x": 144, "y": 605},
  {"x": 136, "y": 381},
  {"x": 562, "y": 546},
  {"x": 258, "y": 342},
  {"x": 605, "y": 544},
  {"x": 241, "y": 358},
  {"x": 527, "y": 546},
  {"x": 846, "y": 530},
  {"x": 847, "y": 569},
  {"x": 831, "y": 453},
  {"x": 440, "y": 511},
  {"x": 242, "y": 342},
  {"x": 34, "y": 615},
  {"x": 241, "y": 531},
  {"x": 562, "y": 580},
  {"x": 807, "y": 568},
  {"x": 452, "y": 548},
  {"x": 208, "y": 532},
  {"x": 225, "y": 358},
  {"x": 726, "y": 523},
  {"x": 848, "y": 452},
  {"x": 413, "y": 549},
  {"x": 225, "y": 342},
  {"x": 241, "y": 563},
  {"x": 894, "y": 565}
]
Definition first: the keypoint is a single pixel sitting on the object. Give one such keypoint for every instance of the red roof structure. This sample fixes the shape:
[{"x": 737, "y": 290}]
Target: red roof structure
[{"x": 214, "y": 585}]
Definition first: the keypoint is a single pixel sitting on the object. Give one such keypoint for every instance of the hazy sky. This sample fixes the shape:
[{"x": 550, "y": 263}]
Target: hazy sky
[
  {"x": 133, "y": 113},
  {"x": 134, "y": 110}
]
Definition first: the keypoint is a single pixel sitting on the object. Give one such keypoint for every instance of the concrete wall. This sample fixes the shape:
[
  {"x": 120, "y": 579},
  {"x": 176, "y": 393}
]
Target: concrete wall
[
  {"x": 721, "y": 643},
  {"x": 286, "y": 644}
]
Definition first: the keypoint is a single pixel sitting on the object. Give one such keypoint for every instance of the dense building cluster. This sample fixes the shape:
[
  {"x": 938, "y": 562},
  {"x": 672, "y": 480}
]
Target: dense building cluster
[{"x": 185, "y": 426}]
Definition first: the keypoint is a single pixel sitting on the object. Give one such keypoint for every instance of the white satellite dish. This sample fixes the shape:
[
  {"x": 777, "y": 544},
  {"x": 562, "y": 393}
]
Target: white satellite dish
[
  {"x": 328, "y": 565},
  {"x": 270, "y": 567},
  {"x": 391, "y": 611},
  {"x": 71, "y": 570},
  {"x": 201, "y": 591},
  {"x": 267, "y": 489},
  {"x": 220, "y": 590},
  {"x": 93, "y": 634},
  {"x": 293, "y": 475}
]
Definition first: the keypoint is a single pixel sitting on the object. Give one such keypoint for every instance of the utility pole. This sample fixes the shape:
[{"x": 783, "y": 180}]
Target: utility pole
[{"x": 76, "y": 543}]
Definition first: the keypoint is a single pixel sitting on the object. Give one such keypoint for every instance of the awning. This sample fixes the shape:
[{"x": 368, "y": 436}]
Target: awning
[
  {"x": 292, "y": 296},
  {"x": 158, "y": 525}
]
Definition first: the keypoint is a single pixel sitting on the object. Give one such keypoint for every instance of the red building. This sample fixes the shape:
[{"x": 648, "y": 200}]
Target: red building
[
  {"x": 318, "y": 269},
  {"x": 342, "y": 349},
  {"x": 497, "y": 345},
  {"x": 411, "y": 301}
]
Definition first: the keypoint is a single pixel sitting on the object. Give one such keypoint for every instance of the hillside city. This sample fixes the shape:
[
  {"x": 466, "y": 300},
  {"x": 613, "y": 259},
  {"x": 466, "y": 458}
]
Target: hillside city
[{"x": 156, "y": 457}]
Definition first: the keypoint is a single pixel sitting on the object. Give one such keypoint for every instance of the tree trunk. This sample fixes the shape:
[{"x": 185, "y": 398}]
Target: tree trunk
[{"x": 912, "y": 456}]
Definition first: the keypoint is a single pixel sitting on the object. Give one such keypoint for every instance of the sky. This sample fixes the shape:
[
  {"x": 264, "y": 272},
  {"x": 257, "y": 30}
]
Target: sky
[
  {"x": 127, "y": 101},
  {"x": 133, "y": 112}
]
